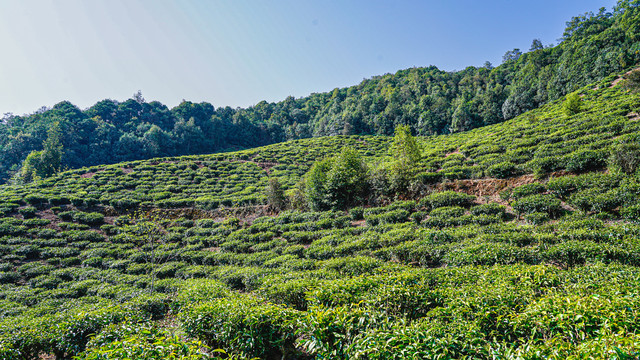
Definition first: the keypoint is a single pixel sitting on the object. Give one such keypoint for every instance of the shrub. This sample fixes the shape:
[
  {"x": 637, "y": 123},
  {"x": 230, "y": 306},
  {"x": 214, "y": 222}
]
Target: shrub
[
  {"x": 626, "y": 157},
  {"x": 28, "y": 212},
  {"x": 538, "y": 203},
  {"x": 448, "y": 212},
  {"x": 596, "y": 200},
  {"x": 502, "y": 170},
  {"x": 586, "y": 160},
  {"x": 489, "y": 209},
  {"x": 527, "y": 189},
  {"x": 572, "y": 104},
  {"x": 91, "y": 218},
  {"x": 536, "y": 218},
  {"x": 447, "y": 198},
  {"x": 134, "y": 341},
  {"x": 275, "y": 194},
  {"x": 36, "y": 199},
  {"x": 356, "y": 213},
  {"x": 244, "y": 326},
  {"x": 66, "y": 215},
  {"x": 631, "y": 212}
]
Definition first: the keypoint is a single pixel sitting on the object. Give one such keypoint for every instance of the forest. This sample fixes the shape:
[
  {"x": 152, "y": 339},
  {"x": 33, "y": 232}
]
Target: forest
[{"x": 430, "y": 101}]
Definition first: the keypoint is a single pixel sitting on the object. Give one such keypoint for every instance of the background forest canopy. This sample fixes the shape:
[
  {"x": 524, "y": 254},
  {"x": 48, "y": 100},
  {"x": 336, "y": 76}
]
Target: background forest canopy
[{"x": 430, "y": 101}]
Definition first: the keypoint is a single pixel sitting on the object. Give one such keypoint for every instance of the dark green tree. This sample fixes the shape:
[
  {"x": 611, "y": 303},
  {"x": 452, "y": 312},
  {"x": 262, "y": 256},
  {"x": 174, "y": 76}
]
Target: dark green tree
[
  {"x": 44, "y": 163},
  {"x": 316, "y": 185},
  {"x": 406, "y": 154},
  {"x": 338, "y": 182},
  {"x": 347, "y": 180}
]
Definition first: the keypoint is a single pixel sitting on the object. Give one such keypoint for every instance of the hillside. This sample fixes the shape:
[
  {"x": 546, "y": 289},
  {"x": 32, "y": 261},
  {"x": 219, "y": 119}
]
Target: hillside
[
  {"x": 520, "y": 242},
  {"x": 431, "y": 101}
]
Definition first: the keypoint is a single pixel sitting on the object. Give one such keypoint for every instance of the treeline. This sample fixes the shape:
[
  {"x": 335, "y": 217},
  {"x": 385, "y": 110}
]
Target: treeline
[{"x": 429, "y": 100}]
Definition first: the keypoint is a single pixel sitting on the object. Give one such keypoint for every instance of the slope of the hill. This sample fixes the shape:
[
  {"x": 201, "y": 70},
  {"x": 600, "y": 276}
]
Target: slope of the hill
[
  {"x": 430, "y": 100},
  {"x": 521, "y": 243}
]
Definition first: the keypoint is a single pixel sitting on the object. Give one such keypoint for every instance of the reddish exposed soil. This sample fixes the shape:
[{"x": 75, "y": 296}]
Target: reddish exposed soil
[{"x": 485, "y": 187}]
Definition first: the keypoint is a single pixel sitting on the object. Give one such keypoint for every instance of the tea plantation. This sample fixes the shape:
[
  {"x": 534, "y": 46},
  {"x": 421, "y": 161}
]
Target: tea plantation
[{"x": 518, "y": 240}]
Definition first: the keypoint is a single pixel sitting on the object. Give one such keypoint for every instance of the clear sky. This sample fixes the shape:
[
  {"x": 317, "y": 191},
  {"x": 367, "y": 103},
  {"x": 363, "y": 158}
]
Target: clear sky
[{"x": 239, "y": 52}]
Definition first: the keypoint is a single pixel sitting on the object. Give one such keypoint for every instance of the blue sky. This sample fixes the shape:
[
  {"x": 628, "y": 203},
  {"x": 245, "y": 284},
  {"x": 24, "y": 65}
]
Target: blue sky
[{"x": 239, "y": 52}]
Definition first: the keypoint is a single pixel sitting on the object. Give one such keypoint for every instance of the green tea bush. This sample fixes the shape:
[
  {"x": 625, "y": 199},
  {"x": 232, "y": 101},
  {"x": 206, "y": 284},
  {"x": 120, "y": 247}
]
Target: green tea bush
[
  {"x": 502, "y": 170},
  {"x": 526, "y": 190},
  {"x": 536, "y": 218},
  {"x": 141, "y": 341},
  {"x": 448, "y": 212},
  {"x": 447, "y": 198},
  {"x": 92, "y": 218},
  {"x": 538, "y": 203},
  {"x": 626, "y": 157},
  {"x": 243, "y": 325},
  {"x": 28, "y": 212},
  {"x": 489, "y": 209},
  {"x": 595, "y": 200},
  {"x": 586, "y": 160}
]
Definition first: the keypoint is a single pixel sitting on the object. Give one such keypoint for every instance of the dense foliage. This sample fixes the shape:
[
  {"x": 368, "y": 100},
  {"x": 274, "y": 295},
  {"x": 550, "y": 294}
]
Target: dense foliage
[
  {"x": 190, "y": 258},
  {"x": 429, "y": 100}
]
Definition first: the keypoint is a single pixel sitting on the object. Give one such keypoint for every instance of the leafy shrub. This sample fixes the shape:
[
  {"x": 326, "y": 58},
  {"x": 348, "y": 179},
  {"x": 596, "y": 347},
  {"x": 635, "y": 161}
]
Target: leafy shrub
[
  {"x": 572, "y": 104},
  {"x": 448, "y": 211},
  {"x": 489, "y": 209},
  {"x": 527, "y": 189},
  {"x": 536, "y": 218},
  {"x": 389, "y": 217},
  {"x": 586, "y": 160},
  {"x": 545, "y": 165},
  {"x": 538, "y": 203},
  {"x": 243, "y": 325},
  {"x": 91, "y": 218},
  {"x": 356, "y": 213},
  {"x": 631, "y": 212},
  {"x": 134, "y": 341},
  {"x": 28, "y": 212},
  {"x": 595, "y": 200},
  {"x": 626, "y": 157},
  {"x": 66, "y": 215},
  {"x": 502, "y": 170},
  {"x": 447, "y": 198},
  {"x": 36, "y": 199}
]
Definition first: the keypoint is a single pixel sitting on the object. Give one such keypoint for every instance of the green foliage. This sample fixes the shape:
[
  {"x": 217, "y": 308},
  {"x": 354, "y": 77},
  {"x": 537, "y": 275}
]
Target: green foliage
[
  {"x": 527, "y": 189},
  {"x": 502, "y": 170},
  {"x": 632, "y": 81},
  {"x": 406, "y": 154},
  {"x": 626, "y": 157},
  {"x": 450, "y": 275},
  {"x": 133, "y": 341},
  {"x": 572, "y": 104},
  {"x": 586, "y": 160},
  {"x": 431, "y": 101},
  {"x": 337, "y": 182},
  {"x": 547, "y": 204},
  {"x": 447, "y": 198},
  {"x": 275, "y": 194},
  {"x": 244, "y": 326},
  {"x": 42, "y": 164}
]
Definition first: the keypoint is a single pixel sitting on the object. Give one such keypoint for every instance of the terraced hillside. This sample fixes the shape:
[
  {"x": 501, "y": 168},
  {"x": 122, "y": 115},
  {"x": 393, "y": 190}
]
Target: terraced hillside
[{"x": 517, "y": 240}]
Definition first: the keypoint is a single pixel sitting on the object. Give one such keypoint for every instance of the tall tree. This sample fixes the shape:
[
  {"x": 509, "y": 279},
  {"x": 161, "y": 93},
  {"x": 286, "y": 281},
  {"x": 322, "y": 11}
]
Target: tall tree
[{"x": 406, "y": 155}]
